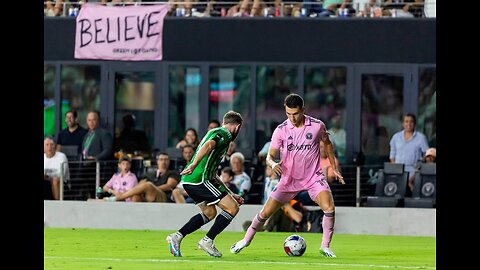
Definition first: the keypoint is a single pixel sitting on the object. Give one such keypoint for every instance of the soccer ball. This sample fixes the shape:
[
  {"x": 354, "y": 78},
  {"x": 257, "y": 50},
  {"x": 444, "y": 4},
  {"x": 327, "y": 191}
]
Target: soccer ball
[{"x": 294, "y": 245}]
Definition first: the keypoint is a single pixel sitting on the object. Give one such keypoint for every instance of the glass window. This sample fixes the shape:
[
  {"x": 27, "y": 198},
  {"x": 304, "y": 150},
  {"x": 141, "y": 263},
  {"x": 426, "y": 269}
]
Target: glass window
[
  {"x": 274, "y": 83},
  {"x": 229, "y": 89},
  {"x": 134, "y": 112},
  {"x": 184, "y": 103},
  {"x": 325, "y": 95},
  {"x": 80, "y": 88},
  {"x": 48, "y": 100},
  {"x": 427, "y": 104},
  {"x": 382, "y": 109}
]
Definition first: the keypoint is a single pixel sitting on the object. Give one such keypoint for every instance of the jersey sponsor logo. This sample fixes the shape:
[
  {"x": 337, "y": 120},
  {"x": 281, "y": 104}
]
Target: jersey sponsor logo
[
  {"x": 290, "y": 138},
  {"x": 309, "y": 136},
  {"x": 292, "y": 147}
]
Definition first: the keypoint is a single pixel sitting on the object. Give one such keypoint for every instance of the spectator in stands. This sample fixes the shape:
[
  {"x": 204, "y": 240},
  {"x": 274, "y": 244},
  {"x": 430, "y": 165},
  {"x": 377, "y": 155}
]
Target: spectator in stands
[
  {"x": 98, "y": 142},
  {"x": 226, "y": 159},
  {"x": 190, "y": 137},
  {"x": 325, "y": 164},
  {"x": 338, "y": 137},
  {"x": 430, "y": 157},
  {"x": 288, "y": 218},
  {"x": 131, "y": 140},
  {"x": 158, "y": 185},
  {"x": 122, "y": 181},
  {"x": 213, "y": 124},
  {"x": 330, "y": 7},
  {"x": 262, "y": 155},
  {"x": 227, "y": 176},
  {"x": 241, "y": 179},
  {"x": 271, "y": 181},
  {"x": 408, "y": 145},
  {"x": 179, "y": 195},
  {"x": 405, "y": 9},
  {"x": 187, "y": 154},
  {"x": 73, "y": 134},
  {"x": 53, "y": 162}
]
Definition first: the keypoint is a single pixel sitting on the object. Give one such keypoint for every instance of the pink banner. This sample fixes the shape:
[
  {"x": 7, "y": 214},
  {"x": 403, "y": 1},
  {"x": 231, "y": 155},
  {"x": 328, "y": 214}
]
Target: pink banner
[{"x": 130, "y": 33}]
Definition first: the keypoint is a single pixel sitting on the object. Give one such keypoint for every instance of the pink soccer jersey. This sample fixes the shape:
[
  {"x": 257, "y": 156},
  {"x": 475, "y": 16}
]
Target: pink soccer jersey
[{"x": 300, "y": 152}]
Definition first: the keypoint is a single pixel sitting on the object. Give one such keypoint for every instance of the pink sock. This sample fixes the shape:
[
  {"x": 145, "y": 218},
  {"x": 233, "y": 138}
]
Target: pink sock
[
  {"x": 327, "y": 225},
  {"x": 257, "y": 223}
]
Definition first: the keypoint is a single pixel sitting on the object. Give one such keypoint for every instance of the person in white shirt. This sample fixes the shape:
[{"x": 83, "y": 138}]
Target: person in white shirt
[{"x": 53, "y": 162}]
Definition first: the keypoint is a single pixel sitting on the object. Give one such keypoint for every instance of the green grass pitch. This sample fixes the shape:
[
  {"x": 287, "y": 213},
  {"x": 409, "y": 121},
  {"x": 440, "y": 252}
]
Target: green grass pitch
[{"x": 147, "y": 249}]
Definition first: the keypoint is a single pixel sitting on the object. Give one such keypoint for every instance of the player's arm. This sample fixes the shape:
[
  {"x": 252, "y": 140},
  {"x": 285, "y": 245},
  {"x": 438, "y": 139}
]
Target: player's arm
[
  {"x": 202, "y": 152},
  {"x": 276, "y": 166},
  {"x": 237, "y": 197},
  {"x": 331, "y": 157}
]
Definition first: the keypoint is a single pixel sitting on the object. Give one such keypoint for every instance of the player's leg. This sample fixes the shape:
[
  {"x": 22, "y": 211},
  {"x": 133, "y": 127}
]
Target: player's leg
[
  {"x": 325, "y": 200},
  {"x": 270, "y": 207},
  {"x": 229, "y": 210}
]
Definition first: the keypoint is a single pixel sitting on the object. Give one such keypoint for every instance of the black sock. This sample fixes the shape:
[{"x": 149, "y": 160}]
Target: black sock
[
  {"x": 221, "y": 222},
  {"x": 194, "y": 224}
]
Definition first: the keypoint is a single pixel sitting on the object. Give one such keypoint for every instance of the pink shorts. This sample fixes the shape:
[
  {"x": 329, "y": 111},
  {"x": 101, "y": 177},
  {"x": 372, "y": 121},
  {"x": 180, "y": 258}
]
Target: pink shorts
[{"x": 285, "y": 190}]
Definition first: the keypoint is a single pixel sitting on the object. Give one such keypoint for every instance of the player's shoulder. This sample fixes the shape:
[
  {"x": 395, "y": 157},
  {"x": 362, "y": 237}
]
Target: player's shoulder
[
  {"x": 283, "y": 124},
  {"x": 315, "y": 121}
]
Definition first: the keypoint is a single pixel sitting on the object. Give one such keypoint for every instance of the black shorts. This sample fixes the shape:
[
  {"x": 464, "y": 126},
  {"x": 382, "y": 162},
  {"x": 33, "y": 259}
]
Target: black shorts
[{"x": 207, "y": 192}]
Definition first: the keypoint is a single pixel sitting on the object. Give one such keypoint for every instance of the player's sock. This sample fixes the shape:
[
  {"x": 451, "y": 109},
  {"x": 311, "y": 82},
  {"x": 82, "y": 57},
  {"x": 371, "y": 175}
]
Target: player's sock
[
  {"x": 194, "y": 224},
  {"x": 257, "y": 223},
  {"x": 221, "y": 222},
  {"x": 327, "y": 225}
]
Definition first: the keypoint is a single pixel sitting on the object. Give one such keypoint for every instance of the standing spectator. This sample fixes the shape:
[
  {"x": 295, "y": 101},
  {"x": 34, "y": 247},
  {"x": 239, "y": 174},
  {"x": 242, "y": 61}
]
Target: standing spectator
[
  {"x": 122, "y": 181},
  {"x": 73, "y": 134},
  {"x": 339, "y": 137},
  {"x": 131, "y": 140},
  {"x": 190, "y": 137},
  {"x": 97, "y": 143},
  {"x": 52, "y": 163},
  {"x": 157, "y": 186},
  {"x": 202, "y": 183},
  {"x": 300, "y": 169},
  {"x": 408, "y": 146}
]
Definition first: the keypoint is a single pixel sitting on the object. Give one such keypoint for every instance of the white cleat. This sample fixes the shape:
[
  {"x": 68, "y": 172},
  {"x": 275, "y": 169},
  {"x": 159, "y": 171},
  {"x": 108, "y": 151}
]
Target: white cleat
[
  {"x": 174, "y": 242},
  {"x": 238, "y": 246},
  {"x": 327, "y": 252},
  {"x": 209, "y": 248}
]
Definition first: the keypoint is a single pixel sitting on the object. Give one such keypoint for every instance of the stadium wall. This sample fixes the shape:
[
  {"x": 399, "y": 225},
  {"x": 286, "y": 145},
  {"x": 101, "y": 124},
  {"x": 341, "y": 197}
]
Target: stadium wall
[
  {"x": 352, "y": 40},
  {"x": 167, "y": 216}
]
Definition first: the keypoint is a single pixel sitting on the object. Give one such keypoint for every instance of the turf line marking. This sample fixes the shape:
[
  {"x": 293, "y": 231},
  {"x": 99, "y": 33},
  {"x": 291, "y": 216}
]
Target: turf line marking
[{"x": 236, "y": 262}]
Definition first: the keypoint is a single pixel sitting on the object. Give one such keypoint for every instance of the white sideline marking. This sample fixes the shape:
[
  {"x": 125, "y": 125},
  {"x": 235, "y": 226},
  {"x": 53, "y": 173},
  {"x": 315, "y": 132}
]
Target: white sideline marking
[{"x": 236, "y": 262}]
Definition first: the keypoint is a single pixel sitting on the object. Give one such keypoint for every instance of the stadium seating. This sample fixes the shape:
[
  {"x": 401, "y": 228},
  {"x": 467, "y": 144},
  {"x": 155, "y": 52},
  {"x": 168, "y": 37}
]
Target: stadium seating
[
  {"x": 391, "y": 186},
  {"x": 424, "y": 189}
]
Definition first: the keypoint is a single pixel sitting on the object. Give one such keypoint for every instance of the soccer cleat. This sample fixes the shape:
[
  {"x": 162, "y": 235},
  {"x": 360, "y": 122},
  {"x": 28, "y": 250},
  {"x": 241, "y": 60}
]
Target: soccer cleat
[
  {"x": 174, "y": 241},
  {"x": 327, "y": 252},
  {"x": 209, "y": 248},
  {"x": 238, "y": 246}
]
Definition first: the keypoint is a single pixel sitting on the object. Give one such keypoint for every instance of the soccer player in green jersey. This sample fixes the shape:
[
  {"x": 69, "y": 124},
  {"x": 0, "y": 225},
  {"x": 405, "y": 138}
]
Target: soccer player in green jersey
[{"x": 200, "y": 180}]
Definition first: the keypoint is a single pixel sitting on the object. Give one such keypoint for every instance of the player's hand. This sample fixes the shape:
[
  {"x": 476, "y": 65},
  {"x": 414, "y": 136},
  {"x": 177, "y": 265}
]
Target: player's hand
[
  {"x": 188, "y": 170},
  {"x": 277, "y": 168},
  {"x": 239, "y": 199},
  {"x": 339, "y": 177}
]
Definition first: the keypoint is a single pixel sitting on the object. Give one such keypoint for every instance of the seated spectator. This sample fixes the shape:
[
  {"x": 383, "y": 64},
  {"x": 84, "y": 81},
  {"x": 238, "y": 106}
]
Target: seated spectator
[
  {"x": 270, "y": 182},
  {"x": 330, "y": 7},
  {"x": 122, "y": 181},
  {"x": 131, "y": 140},
  {"x": 226, "y": 159},
  {"x": 179, "y": 195},
  {"x": 73, "y": 134},
  {"x": 52, "y": 165},
  {"x": 241, "y": 179},
  {"x": 213, "y": 124},
  {"x": 289, "y": 218},
  {"x": 190, "y": 137},
  {"x": 158, "y": 185},
  {"x": 187, "y": 154},
  {"x": 227, "y": 176},
  {"x": 430, "y": 157}
]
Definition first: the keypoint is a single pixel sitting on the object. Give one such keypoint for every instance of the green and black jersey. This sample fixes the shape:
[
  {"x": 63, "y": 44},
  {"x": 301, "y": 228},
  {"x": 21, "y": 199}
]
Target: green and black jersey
[{"x": 208, "y": 166}]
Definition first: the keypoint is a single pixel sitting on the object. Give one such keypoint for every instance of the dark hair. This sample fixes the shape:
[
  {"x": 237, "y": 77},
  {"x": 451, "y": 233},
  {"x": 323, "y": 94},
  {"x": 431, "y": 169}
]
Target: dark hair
[
  {"x": 188, "y": 146},
  {"x": 162, "y": 154},
  {"x": 74, "y": 112},
  {"x": 294, "y": 101},
  {"x": 229, "y": 171},
  {"x": 412, "y": 116},
  {"x": 128, "y": 121},
  {"x": 232, "y": 117},
  {"x": 214, "y": 121}
]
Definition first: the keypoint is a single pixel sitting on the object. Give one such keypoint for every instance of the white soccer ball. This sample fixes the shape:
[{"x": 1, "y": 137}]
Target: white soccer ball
[{"x": 294, "y": 245}]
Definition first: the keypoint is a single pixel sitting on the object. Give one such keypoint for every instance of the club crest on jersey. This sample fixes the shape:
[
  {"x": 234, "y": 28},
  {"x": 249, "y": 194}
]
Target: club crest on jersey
[{"x": 309, "y": 136}]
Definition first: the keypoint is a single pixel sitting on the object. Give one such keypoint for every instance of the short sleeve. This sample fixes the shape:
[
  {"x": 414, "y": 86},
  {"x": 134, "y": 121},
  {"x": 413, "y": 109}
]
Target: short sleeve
[{"x": 277, "y": 140}]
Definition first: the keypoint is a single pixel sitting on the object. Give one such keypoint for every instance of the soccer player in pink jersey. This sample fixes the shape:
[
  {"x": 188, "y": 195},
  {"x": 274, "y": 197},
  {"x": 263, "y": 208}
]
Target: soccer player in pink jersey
[{"x": 298, "y": 138}]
